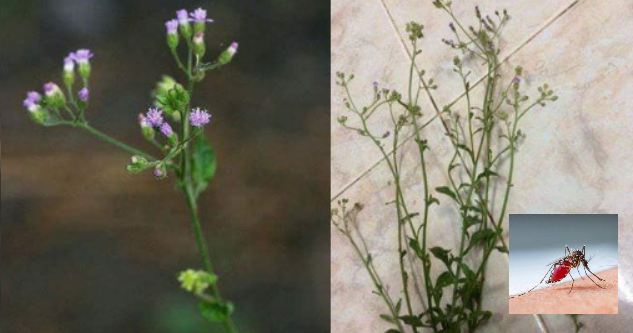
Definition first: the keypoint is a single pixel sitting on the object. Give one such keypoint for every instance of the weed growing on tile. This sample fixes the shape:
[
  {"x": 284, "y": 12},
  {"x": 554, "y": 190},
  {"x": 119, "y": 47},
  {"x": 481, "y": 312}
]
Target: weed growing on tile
[
  {"x": 172, "y": 125},
  {"x": 577, "y": 324},
  {"x": 484, "y": 138}
]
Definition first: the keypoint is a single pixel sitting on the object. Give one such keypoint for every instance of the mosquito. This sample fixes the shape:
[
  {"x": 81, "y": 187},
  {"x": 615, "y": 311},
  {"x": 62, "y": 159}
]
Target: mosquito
[{"x": 562, "y": 266}]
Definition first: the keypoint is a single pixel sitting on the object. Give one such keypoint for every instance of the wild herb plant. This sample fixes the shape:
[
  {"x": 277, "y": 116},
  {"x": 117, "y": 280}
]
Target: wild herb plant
[
  {"x": 182, "y": 151},
  {"x": 484, "y": 139},
  {"x": 577, "y": 324}
]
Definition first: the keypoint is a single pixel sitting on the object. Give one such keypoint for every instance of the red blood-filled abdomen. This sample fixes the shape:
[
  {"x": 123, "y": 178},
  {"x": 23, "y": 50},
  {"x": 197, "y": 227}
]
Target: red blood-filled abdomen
[{"x": 560, "y": 271}]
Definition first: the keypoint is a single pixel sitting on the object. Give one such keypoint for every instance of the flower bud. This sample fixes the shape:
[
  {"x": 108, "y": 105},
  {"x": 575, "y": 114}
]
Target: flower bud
[
  {"x": 198, "y": 44},
  {"x": 167, "y": 131},
  {"x": 146, "y": 129},
  {"x": 199, "y": 17},
  {"x": 165, "y": 85},
  {"x": 69, "y": 70},
  {"x": 228, "y": 54},
  {"x": 172, "y": 33},
  {"x": 84, "y": 95},
  {"x": 54, "y": 96},
  {"x": 36, "y": 112},
  {"x": 160, "y": 172},
  {"x": 138, "y": 164},
  {"x": 82, "y": 58},
  {"x": 183, "y": 24}
]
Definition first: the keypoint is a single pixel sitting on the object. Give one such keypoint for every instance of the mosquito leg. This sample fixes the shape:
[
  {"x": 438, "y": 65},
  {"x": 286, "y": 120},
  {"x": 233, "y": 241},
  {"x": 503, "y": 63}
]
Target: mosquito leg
[
  {"x": 536, "y": 285},
  {"x": 587, "y": 267},
  {"x": 572, "y": 283},
  {"x": 592, "y": 279},
  {"x": 567, "y": 250}
]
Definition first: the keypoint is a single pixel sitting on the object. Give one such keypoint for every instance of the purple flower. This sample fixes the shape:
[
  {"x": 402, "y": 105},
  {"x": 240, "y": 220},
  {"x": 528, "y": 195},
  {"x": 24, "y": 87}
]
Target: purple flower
[
  {"x": 165, "y": 128},
  {"x": 82, "y": 56},
  {"x": 34, "y": 96},
  {"x": 516, "y": 80},
  {"x": 183, "y": 16},
  {"x": 32, "y": 100},
  {"x": 155, "y": 117},
  {"x": 69, "y": 62},
  {"x": 233, "y": 48},
  {"x": 51, "y": 89},
  {"x": 84, "y": 94},
  {"x": 142, "y": 120},
  {"x": 172, "y": 27},
  {"x": 199, "y": 117},
  {"x": 29, "y": 104},
  {"x": 200, "y": 16},
  {"x": 158, "y": 172}
]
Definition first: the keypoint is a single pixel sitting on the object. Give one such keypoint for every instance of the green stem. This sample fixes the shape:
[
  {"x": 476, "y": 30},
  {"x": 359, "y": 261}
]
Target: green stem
[
  {"x": 108, "y": 139},
  {"x": 203, "y": 249},
  {"x": 190, "y": 195}
]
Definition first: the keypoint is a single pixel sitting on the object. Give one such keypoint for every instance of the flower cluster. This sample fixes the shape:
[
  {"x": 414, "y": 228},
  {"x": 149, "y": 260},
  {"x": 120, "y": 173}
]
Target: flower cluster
[
  {"x": 194, "y": 36},
  {"x": 47, "y": 109},
  {"x": 155, "y": 119},
  {"x": 182, "y": 150}
]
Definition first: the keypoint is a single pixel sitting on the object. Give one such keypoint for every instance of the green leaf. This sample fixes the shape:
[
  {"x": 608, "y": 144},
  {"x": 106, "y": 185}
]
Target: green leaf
[
  {"x": 441, "y": 254},
  {"x": 482, "y": 236},
  {"x": 204, "y": 165},
  {"x": 464, "y": 147},
  {"x": 415, "y": 245},
  {"x": 432, "y": 200},
  {"x": 445, "y": 279},
  {"x": 471, "y": 220},
  {"x": 468, "y": 272},
  {"x": 480, "y": 316},
  {"x": 215, "y": 311},
  {"x": 502, "y": 249},
  {"x": 392, "y": 330},
  {"x": 388, "y": 318},
  {"x": 447, "y": 191},
  {"x": 487, "y": 173},
  {"x": 413, "y": 321},
  {"x": 409, "y": 217}
]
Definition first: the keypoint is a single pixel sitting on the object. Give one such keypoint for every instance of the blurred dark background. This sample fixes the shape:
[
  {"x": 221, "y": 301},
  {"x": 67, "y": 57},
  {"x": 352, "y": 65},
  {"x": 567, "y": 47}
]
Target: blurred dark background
[{"x": 86, "y": 247}]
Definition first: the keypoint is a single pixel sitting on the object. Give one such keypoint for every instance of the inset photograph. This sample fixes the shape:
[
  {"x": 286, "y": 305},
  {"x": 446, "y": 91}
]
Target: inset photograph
[{"x": 563, "y": 264}]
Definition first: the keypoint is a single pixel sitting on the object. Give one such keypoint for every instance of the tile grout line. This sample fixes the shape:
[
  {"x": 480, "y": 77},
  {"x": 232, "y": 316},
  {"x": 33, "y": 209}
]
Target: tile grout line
[
  {"x": 406, "y": 50},
  {"x": 395, "y": 27}
]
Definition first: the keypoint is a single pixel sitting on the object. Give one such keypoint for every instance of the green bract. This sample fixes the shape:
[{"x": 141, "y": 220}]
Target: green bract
[{"x": 196, "y": 281}]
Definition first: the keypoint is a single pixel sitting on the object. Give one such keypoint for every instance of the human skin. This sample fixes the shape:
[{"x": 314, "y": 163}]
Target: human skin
[{"x": 585, "y": 298}]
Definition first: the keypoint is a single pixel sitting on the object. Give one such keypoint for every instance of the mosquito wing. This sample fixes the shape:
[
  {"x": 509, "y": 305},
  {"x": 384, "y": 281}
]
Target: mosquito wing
[{"x": 555, "y": 261}]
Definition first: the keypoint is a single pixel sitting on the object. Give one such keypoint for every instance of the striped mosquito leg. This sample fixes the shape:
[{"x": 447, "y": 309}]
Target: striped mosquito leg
[
  {"x": 592, "y": 279},
  {"x": 587, "y": 267},
  {"x": 536, "y": 285}
]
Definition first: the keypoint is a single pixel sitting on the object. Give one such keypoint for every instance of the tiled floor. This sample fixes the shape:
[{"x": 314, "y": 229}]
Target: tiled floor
[{"x": 576, "y": 158}]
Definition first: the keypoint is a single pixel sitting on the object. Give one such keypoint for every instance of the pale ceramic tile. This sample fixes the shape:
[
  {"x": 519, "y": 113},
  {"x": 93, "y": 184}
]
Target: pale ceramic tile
[
  {"x": 575, "y": 160},
  {"x": 365, "y": 42},
  {"x": 580, "y": 149}
]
